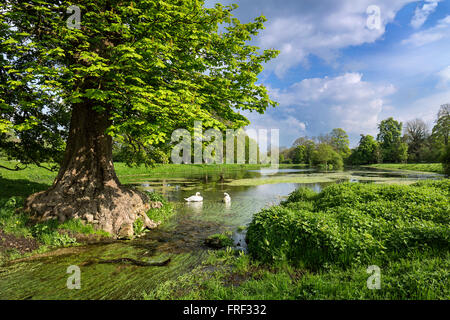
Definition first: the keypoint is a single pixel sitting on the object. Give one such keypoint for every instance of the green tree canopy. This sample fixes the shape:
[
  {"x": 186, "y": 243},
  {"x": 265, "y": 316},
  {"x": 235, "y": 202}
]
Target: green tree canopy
[
  {"x": 441, "y": 130},
  {"x": 340, "y": 142},
  {"x": 367, "y": 151},
  {"x": 390, "y": 139},
  {"x": 326, "y": 155}
]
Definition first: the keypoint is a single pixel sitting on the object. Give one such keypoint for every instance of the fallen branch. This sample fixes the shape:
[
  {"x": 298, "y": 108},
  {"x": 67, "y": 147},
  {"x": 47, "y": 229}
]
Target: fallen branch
[{"x": 137, "y": 262}]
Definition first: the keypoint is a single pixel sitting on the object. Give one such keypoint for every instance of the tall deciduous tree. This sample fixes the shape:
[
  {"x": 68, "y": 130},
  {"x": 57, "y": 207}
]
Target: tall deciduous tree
[
  {"x": 441, "y": 130},
  {"x": 367, "y": 152},
  {"x": 389, "y": 137},
  {"x": 416, "y": 135},
  {"x": 325, "y": 155},
  {"x": 340, "y": 142},
  {"x": 135, "y": 71}
]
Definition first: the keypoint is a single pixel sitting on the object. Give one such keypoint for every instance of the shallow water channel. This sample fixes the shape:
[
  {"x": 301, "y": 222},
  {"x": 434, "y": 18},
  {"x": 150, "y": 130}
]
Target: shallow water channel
[{"x": 181, "y": 239}]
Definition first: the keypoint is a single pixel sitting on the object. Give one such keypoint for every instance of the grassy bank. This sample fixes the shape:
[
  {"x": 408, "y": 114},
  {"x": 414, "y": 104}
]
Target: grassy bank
[
  {"x": 173, "y": 169},
  {"x": 19, "y": 237},
  {"x": 34, "y": 178},
  {"x": 319, "y": 246},
  {"x": 227, "y": 276},
  {"x": 422, "y": 167}
]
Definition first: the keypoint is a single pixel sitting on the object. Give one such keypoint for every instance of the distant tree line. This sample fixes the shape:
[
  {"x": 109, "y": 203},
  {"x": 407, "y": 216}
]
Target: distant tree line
[
  {"x": 162, "y": 154},
  {"x": 394, "y": 143}
]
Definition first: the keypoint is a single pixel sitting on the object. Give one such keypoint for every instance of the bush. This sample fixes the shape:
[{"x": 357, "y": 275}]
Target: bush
[
  {"x": 162, "y": 214},
  {"x": 301, "y": 194},
  {"x": 219, "y": 241},
  {"x": 353, "y": 223},
  {"x": 138, "y": 227}
]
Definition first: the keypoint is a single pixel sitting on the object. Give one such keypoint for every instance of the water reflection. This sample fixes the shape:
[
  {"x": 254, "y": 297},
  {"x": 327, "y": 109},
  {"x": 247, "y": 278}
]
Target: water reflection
[{"x": 195, "y": 207}]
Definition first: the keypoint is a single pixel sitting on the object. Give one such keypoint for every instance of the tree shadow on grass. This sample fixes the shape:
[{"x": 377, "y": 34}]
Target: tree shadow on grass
[{"x": 19, "y": 188}]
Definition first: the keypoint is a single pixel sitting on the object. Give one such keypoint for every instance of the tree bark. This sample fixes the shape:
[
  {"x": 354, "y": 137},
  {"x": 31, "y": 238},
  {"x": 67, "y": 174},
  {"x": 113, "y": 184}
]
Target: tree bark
[{"x": 86, "y": 186}]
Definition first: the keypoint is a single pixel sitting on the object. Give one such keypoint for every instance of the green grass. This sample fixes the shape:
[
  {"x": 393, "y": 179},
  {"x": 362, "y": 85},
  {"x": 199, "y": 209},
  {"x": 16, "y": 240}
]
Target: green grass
[
  {"x": 422, "y": 167},
  {"x": 176, "y": 169},
  {"x": 49, "y": 234},
  {"x": 162, "y": 214},
  {"x": 226, "y": 275}
]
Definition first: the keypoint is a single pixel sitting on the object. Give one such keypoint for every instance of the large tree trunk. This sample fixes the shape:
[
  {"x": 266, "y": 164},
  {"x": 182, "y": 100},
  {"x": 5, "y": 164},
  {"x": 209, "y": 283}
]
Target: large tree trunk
[{"x": 87, "y": 186}]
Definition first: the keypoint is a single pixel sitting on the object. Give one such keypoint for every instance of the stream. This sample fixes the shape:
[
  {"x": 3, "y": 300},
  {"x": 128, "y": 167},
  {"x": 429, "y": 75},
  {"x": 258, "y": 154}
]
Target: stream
[{"x": 181, "y": 238}]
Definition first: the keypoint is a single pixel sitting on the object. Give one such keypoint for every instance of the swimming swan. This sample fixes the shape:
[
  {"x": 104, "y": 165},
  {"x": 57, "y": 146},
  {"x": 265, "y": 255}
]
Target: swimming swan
[
  {"x": 196, "y": 198},
  {"x": 227, "y": 198}
]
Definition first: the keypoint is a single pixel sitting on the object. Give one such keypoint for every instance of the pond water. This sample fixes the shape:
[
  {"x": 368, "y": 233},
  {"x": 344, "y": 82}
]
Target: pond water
[{"x": 181, "y": 239}]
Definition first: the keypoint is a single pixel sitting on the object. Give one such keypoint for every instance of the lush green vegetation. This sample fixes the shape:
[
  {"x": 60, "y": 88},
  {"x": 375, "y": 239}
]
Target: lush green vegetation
[
  {"x": 39, "y": 175},
  {"x": 220, "y": 240},
  {"x": 353, "y": 223},
  {"x": 15, "y": 186},
  {"x": 326, "y": 152},
  {"x": 424, "y": 167},
  {"x": 227, "y": 275},
  {"x": 48, "y": 235},
  {"x": 319, "y": 246},
  {"x": 162, "y": 214}
]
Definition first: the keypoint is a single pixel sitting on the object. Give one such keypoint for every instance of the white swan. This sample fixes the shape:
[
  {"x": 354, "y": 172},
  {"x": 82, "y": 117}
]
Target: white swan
[
  {"x": 227, "y": 198},
  {"x": 196, "y": 198}
]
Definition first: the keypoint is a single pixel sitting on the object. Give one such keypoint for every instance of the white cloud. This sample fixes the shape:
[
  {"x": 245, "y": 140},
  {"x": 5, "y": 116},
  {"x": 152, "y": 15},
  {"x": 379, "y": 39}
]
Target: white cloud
[
  {"x": 320, "y": 104},
  {"x": 289, "y": 127},
  {"x": 310, "y": 27},
  {"x": 440, "y": 31},
  {"x": 444, "y": 76},
  {"x": 324, "y": 31},
  {"x": 425, "y": 108},
  {"x": 421, "y": 14}
]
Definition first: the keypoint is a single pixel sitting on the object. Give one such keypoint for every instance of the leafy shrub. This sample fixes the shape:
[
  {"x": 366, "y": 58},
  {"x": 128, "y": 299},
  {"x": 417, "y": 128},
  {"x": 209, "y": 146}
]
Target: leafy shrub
[
  {"x": 301, "y": 194},
  {"x": 155, "y": 197},
  {"x": 219, "y": 240},
  {"x": 162, "y": 214},
  {"x": 350, "y": 223},
  {"x": 138, "y": 227},
  {"x": 47, "y": 233}
]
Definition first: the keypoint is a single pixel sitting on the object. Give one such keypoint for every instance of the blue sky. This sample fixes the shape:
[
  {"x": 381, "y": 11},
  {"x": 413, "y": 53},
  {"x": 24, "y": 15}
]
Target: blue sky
[{"x": 335, "y": 70}]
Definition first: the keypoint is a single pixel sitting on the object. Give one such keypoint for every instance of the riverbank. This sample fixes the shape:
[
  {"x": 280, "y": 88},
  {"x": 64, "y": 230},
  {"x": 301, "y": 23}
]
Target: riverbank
[
  {"x": 19, "y": 238},
  {"x": 340, "y": 230},
  {"x": 418, "y": 167},
  {"x": 322, "y": 246}
]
